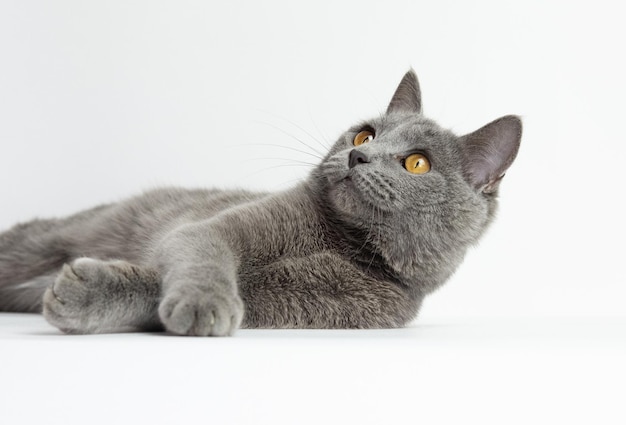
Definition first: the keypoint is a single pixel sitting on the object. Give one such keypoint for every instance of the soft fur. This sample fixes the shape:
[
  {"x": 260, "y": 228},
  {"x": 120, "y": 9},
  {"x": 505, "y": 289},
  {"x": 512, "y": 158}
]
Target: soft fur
[{"x": 357, "y": 245}]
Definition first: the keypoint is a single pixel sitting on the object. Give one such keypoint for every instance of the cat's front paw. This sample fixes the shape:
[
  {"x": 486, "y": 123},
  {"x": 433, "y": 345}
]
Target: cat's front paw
[
  {"x": 201, "y": 313},
  {"x": 69, "y": 303}
]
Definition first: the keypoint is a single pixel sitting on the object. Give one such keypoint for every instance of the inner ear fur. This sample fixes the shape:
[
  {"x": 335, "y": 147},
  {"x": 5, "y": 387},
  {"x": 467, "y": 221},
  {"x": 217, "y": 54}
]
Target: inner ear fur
[{"x": 489, "y": 151}]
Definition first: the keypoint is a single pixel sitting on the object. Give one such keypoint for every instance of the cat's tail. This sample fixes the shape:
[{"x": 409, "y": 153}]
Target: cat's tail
[{"x": 30, "y": 256}]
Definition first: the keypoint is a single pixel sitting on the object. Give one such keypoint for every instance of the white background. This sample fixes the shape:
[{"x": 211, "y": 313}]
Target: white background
[{"x": 101, "y": 100}]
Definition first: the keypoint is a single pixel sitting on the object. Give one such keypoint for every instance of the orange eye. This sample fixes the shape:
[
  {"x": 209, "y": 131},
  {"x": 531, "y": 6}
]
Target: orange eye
[
  {"x": 363, "y": 137},
  {"x": 417, "y": 164}
]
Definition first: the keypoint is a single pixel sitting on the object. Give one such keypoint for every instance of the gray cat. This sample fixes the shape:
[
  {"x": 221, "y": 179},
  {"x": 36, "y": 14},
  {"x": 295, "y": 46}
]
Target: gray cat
[{"x": 383, "y": 221}]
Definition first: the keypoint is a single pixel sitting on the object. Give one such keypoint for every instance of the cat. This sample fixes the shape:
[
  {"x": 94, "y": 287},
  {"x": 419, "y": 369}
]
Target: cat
[{"x": 381, "y": 222}]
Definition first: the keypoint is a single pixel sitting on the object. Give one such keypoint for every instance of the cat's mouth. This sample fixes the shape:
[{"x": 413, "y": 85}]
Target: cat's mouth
[
  {"x": 355, "y": 188},
  {"x": 369, "y": 189}
]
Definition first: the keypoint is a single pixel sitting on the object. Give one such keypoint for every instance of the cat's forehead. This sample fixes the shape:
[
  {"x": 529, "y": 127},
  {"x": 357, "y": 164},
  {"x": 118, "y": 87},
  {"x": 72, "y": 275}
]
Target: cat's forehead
[
  {"x": 411, "y": 129},
  {"x": 409, "y": 124}
]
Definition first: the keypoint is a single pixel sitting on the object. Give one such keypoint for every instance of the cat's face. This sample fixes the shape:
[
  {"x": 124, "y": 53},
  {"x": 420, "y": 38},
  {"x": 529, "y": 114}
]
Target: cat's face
[
  {"x": 422, "y": 193},
  {"x": 408, "y": 163}
]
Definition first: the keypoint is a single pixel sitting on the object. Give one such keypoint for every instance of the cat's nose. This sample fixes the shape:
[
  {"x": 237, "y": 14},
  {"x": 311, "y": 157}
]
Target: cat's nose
[{"x": 357, "y": 157}]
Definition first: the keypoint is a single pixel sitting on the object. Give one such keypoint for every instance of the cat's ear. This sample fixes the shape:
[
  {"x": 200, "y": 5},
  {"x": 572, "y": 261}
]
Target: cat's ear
[
  {"x": 489, "y": 151},
  {"x": 407, "y": 97}
]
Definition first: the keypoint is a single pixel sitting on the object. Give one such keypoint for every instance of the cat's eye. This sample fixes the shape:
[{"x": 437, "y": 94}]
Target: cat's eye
[
  {"x": 417, "y": 164},
  {"x": 364, "y": 136}
]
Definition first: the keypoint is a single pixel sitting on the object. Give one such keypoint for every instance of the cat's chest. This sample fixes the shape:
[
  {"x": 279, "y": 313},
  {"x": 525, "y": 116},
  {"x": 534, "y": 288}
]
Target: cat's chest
[{"x": 278, "y": 242}]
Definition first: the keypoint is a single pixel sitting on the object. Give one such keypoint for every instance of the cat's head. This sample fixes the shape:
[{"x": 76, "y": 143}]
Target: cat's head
[{"x": 418, "y": 194}]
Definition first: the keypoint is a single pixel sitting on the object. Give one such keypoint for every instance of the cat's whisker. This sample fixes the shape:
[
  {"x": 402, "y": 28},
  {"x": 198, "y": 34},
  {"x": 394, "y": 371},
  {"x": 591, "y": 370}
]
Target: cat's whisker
[
  {"x": 325, "y": 139},
  {"x": 325, "y": 146},
  {"x": 369, "y": 230},
  {"x": 284, "y": 147},
  {"x": 377, "y": 237},
  {"x": 292, "y": 165},
  {"x": 294, "y": 137},
  {"x": 312, "y": 164},
  {"x": 275, "y": 166},
  {"x": 319, "y": 142},
  {"x": 296, "y": 180}
]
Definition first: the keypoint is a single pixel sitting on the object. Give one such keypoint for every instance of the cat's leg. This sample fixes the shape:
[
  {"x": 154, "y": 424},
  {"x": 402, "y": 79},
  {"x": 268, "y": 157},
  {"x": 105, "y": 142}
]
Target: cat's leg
[
  {"x": 92, "y": 296},
  {"x": 199, "y": 288}
]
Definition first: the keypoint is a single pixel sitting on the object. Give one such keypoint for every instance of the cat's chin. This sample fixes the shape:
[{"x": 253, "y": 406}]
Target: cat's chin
[{"x": 345, "y": 198}]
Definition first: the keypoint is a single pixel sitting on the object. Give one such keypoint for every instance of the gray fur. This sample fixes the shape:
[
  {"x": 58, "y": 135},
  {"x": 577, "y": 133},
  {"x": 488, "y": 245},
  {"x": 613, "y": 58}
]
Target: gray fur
[{"x": 351, "y": 247}]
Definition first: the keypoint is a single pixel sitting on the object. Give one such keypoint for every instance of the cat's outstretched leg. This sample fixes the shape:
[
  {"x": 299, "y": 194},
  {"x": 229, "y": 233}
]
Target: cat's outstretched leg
[
  {"x": 93, "y": 296},
  {"x": 199, "y": 287}
]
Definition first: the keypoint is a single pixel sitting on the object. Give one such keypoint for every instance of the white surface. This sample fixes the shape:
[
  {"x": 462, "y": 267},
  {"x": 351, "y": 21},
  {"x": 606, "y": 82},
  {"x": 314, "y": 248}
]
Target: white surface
[
  {"x": 544, "y": 371},
  {"x": 99, "y": 100}
]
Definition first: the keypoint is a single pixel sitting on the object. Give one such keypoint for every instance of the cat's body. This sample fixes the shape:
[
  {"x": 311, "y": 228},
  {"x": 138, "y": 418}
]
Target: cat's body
[{"x": 357, "y": 245}]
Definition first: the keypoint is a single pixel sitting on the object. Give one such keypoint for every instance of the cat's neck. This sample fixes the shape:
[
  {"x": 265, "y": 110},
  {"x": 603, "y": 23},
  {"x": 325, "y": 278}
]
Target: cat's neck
[{"x": 358, "y": 243}]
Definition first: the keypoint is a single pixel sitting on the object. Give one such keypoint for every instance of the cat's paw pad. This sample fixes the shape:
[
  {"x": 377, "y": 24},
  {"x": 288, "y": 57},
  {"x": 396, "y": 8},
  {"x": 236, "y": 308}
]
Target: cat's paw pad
[
  {"x": 201, "y": 314},
  {"x": 67, "y": 303}
]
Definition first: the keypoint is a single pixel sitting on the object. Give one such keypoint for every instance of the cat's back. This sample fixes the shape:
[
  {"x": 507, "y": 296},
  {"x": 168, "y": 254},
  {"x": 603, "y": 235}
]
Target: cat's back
[
  {"x": 127, "y": 229},
  {"x": 171, "y": 207},
  {"x": 192, "y": 204}
]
